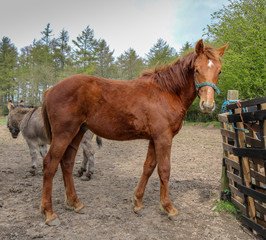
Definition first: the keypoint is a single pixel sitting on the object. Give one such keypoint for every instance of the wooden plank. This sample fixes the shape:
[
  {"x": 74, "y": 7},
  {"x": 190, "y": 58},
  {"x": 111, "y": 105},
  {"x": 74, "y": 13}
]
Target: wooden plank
[
  {"x": 252, "y": 193},
  {"x": 248, "y": 103},
  {"x": 228, "y": 133},
  {"x": 260, "y": 208},
  {"x": 253, "y": 224},
  {"x": 237, "y": 192},
  {"x": 247, "y": 116},
  {"x": 232, "y": 163},
  {"x": 250, "y": 152},
  {"x": 257, "y": 161},
  {"x": 258, "y": 176},
  {"x": 246, "y": 168},
  {"x": 234, "y": 177},
  {"x": 253, "y": 142},
  {"x": 240, "y": 206},
  {"x": 227, "y": 147},
  {"x": 223, "y": 117}
]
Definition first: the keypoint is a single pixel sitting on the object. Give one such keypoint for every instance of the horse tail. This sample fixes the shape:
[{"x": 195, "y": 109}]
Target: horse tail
[
  {"x": 99, "y": 141},
  {"x": 47, "y": 126}
]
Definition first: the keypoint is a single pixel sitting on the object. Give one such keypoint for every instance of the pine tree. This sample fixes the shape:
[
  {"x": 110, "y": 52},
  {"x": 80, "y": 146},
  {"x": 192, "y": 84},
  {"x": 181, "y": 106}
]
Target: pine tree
[
  {"x": 8, "y": 65},
  {"x": 161, "y": 53},
  {"x": 130, "y": 65},
  {"x": 104, "y": 59},
  {"x": 85, "y": 50}
]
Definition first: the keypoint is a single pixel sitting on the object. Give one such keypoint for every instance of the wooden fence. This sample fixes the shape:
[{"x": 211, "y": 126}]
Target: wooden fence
[{"x": 243, "y": 130}]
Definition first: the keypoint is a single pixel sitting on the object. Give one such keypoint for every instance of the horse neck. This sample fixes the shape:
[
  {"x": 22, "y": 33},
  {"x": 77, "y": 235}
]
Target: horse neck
[{"x": 188, "y": 93}]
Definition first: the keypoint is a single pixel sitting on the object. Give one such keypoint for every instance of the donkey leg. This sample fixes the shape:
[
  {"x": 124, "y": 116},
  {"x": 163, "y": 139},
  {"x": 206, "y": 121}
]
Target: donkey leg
[
  {"x": 148, "y": 169},
  {"x": 89, "y": 153},
  {"x": 83, "y": 167},
  {"x": 43, "y": 150},
  {"x": 67, "y": 165},
  {"x": 33, "y": 147},
  {"x": 163, "y": 150}
]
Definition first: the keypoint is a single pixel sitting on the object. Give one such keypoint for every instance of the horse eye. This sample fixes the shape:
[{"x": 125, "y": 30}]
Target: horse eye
[
  {"x": 196, "y": 71},
  {"x": 220, "y": 72}
]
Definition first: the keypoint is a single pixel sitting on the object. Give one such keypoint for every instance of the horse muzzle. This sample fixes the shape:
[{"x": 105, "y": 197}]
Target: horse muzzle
[{"x": 207, "y": 107}]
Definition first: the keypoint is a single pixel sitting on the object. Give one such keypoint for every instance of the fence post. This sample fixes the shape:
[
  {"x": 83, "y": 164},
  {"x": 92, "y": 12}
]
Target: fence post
[{"x": 232, "y": 95}]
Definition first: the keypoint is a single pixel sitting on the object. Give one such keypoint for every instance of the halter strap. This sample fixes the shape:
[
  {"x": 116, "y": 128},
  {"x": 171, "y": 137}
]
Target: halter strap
[{"x": 198, "y": 86}]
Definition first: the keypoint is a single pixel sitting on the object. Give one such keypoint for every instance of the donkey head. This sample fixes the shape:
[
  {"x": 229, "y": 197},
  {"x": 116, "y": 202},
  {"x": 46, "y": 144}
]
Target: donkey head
[{"x": 13, "y": 121}]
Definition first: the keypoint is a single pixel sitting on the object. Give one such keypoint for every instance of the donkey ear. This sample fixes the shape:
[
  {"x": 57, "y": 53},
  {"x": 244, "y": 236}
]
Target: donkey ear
[
  {"x": 222, "y": 49},
  {"x": 199, "y": 49},
  {"x": 10, "y": 106}
]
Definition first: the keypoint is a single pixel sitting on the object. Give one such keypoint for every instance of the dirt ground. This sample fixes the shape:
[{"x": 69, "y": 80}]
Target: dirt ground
[{"x": 194, "y": 186}]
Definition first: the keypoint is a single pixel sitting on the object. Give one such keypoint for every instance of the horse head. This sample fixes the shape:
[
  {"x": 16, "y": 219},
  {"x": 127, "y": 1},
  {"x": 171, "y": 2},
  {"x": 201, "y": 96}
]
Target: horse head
[{"x": 207, "y": 69}]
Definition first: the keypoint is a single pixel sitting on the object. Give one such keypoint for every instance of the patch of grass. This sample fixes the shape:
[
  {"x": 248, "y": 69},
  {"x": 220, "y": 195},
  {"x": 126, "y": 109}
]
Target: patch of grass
[
  {"x": 227, "y": 207},
  {"x": 3, "y": 121}
]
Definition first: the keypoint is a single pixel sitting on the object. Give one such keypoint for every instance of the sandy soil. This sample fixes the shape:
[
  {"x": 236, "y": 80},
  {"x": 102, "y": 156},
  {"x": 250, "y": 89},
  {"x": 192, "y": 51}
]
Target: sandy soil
[{"x": 194, "y": 187}]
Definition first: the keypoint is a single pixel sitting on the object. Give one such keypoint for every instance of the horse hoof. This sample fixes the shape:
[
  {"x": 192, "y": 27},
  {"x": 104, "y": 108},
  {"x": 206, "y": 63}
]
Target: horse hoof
[
  {"x": 80, "y": 209},
  {"x": 171, "y": 215},
  {"x": 139, "y": 210},
  {"x": 54, "y": 222}
]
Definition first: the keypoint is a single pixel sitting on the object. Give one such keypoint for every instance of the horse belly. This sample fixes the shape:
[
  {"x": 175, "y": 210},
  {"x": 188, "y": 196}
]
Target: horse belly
[{"x": 118, "y": 128}]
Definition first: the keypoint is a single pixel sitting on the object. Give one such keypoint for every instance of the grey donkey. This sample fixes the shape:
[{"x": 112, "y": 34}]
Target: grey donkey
[{"x": 29, "y": 122}]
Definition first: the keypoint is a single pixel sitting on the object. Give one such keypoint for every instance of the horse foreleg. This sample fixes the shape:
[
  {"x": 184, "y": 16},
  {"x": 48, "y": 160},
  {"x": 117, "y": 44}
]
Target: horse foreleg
[
  {"x": 67, "y": 164},
  {"x": 163, "y": 149},
  {"x": 148, "y": 169}
]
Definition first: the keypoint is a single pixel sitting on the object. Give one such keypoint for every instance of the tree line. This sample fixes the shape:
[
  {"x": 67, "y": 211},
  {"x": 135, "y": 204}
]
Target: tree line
[{"x": 27, "y": 73}]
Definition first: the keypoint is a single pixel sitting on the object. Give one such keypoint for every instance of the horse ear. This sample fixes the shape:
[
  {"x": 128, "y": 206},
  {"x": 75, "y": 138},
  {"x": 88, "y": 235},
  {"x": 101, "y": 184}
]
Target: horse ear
[
  {"x": 199, "y": 49},
  {"x": 222, "y": 49}
]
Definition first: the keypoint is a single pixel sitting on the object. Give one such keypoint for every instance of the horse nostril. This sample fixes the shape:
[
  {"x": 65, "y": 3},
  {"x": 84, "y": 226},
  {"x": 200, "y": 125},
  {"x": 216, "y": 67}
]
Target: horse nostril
[
  {"x": 202, "y": 105},
  {"x": 213, "y": 106}
]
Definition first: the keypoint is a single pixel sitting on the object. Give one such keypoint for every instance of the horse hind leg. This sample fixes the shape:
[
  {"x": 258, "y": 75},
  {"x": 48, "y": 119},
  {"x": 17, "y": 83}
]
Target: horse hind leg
[
  {"x": 50, "y": 166},
  {"x": 148, "y": 169},
  {"x": 67, "y": 164}
]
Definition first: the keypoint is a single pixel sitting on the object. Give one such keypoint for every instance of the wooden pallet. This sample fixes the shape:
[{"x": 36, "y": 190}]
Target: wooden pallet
[{"x": 244, "y": 146}]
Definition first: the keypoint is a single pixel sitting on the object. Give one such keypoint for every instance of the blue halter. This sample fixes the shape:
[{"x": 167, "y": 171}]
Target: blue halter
[{"x": 198, "y": 86}]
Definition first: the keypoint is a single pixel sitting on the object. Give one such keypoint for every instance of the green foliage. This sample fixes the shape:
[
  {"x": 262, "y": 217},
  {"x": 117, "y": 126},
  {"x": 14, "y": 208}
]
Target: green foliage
[
  {"x": 227, "y": 207},
  {"x": 8, "y": 70},
  {"x": 161, "y": 53},
  {"x": 27, "y": 74},
  {"x": 242, "y": 23},
  {"x": 129, "y": 65}
]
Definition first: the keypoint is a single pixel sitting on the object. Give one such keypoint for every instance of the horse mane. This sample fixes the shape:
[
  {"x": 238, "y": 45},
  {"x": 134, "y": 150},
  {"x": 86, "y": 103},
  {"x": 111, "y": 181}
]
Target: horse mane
[{"x": 174, "y": 76}]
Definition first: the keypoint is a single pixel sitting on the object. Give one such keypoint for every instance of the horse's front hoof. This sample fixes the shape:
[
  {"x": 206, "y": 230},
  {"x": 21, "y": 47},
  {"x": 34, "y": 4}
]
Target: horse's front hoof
[
  {"x": 173, "y": 215},
  {"x": 80, "y": 209},
  {"x": 52, "y": 222},
  {"x": 138, "y": 207}
]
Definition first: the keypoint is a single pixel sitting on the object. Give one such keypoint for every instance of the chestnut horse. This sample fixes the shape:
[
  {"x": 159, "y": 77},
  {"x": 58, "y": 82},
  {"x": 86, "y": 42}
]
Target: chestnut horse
[{"x": 150, "y": 107}]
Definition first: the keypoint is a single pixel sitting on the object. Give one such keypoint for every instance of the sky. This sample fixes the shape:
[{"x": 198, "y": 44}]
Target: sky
[{"x": 123, "y": 24}]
